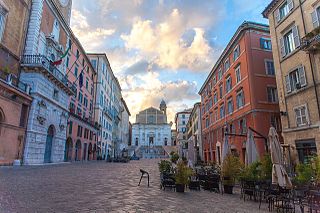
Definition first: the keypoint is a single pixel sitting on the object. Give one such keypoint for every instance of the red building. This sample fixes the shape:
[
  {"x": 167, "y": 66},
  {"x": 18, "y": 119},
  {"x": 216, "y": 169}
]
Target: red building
[
  {"x": 82, "y": 131},
  {"x": 240, "y": 93}
]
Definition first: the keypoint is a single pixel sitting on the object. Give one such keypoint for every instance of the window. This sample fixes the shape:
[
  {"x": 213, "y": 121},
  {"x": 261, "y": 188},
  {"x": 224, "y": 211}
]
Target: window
[
  {"x": 269, "y": 67},
  {"x": 183, "y": 123},
  {"x": 80, "y": 97},
  {"x": 296, "y": 79},
  {"x": 67, "y": 62},
  {"x": 240, "y": 99},
  {"x": 242, "y": 126},
  {"x": 236, "y": 53},
  {"x": 3, "y": 16},
  {"x": 79, "y": 132},
  {"x": 228, "y": 84},
  {"x": 315, "y": 15},
  {"x": 290, "y": 41},
  {"x": 85, "y": 102},
  {"x": 23, "y": 115},
  {"x": 207, "y": 122},
  {"x": 222, "y": 111},
  {"x": 87, "y": 84},
  {"x": 76, "y": 71},
  {"x": 230, "y": 105},
  {"x": 272, "y": 94},
  {"x": 238, "y": 74},
  {"x": 265, "y": 43},
  {"x": 284, "y": 10},
  {"x": 226, "y": 65},
  {"x": 136, "y": 142},
  {"x": 305, "y": 149},
  {"x": 70, "y": 127},
  {"x": 214, "y": 81},
  {"x": 301, "y": 115},
  {"x": 78, "y": 54},
  {"x": 221, "y": 90},
  {"x": 215, "y": 97},
  {"x": 275, "y": 122},
  {"x": 220, "y": 74},
  {"x": 94, "y": 63},
  {"x": 183, "y": 116},
  {"x": 55, "y": 30},
  {"x": 56, "y": 95}
]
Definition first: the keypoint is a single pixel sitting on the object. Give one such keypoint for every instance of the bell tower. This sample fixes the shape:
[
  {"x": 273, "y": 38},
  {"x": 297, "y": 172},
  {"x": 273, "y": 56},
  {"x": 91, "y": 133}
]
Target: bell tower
[
  {"x": 64, "y": 7},
  {"x": 163, "y": 107}
]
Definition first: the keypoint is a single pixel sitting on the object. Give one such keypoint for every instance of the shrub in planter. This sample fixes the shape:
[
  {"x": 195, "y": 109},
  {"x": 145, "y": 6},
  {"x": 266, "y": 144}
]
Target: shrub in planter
[
  {"x": 182, "y": 175},
  {"x": 304, "y": 174},
  {"x": 174, "y": 157},
  {"x": 266, "y": 167},
  {"x": 165, "y": 166},
  {"x": 231, "y": 169}
]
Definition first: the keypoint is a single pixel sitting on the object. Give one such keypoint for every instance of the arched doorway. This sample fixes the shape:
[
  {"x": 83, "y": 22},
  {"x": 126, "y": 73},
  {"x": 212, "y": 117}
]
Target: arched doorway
[
  {"x": 68, "y": 150},
  {"x": 89, "y": 152},
  {"x": 77, "y": 154},
  {"x": 49, "y": 141}
]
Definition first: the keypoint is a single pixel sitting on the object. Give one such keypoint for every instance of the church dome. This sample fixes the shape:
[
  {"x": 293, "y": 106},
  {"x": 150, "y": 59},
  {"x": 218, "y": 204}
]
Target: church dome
[{"x": 163, "y": 103}]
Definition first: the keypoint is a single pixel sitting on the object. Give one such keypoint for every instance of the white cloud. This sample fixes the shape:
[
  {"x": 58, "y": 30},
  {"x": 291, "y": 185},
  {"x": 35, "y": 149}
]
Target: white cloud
[
  {"x": 164, "y": 45},
  {"x": 92, "y": 38}
]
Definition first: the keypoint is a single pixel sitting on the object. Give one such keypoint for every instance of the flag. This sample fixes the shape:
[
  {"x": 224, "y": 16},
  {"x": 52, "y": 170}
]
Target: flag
[{"x": 58, "y": 62}]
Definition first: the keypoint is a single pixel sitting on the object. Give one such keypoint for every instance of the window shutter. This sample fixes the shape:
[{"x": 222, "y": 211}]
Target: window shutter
[
  {"x": 315, "y": 19},
  {"x": 290, "y": 4},
  {"x": 296, "y": 37},
  {"x": 288, "y": 85},
  {"x": 277, "y": 14},
  {"x": 302, "y": 76},
  {"x": 282, "y": 48}
]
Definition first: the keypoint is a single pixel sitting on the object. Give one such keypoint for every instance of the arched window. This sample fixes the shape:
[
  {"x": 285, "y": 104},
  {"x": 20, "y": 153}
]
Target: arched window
[
  {"x": 136, "y": 142},
  {"x": 166, "y": 141}
]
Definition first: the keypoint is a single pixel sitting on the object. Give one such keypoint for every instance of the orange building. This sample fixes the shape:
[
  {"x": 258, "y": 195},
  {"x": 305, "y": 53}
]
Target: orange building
[{"x": 240, "y": 93}]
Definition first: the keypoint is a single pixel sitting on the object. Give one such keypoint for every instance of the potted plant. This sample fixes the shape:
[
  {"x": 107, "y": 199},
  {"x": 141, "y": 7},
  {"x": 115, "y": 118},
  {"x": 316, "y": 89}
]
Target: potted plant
[
  {"x": 182, "y": 175},
  {"x": 231, "y": 169},
  {"x": 174, "y": 157},
  {"x": 304, "y": 174},
  {"x": 165, "y": 166}
]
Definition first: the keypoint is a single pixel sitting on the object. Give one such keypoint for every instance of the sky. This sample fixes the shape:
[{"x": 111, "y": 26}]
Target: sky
[{"x": 161, "y": 49}]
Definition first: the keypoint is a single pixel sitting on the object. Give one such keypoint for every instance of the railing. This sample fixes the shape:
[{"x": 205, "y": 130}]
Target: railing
[{"x": 42, "y": 61}]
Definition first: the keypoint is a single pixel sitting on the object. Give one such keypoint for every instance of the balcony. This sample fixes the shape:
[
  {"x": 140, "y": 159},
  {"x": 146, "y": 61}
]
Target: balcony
[
  {"x": 311, "y": 42},
  {"x": 41, "y": 64}
]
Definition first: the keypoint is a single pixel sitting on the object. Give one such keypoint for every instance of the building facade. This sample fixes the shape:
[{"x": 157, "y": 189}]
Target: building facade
[
  {"x": 240, "y": 93},
  {"x": 44, "y": 69},
  {"x": 195, "y": 151},
  {"x": 103, "y": 103},
  {"x": 294, "y": 27},
  {"x": 151, "y": 132},
  {"x": 15, "y": 100},
  {"x": 82, "y": 131},
  {"x": 125, "y": 131},
  {"x": 181, "y": 120}
]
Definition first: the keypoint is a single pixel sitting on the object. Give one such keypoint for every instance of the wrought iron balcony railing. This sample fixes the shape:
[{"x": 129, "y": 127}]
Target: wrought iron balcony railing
[{"x": 42, "y": 62}]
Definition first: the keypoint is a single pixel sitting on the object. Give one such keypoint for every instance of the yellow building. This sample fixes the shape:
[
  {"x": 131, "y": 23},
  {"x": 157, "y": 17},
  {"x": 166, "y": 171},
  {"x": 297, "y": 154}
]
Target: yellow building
[{"x": 294, "y": 27}]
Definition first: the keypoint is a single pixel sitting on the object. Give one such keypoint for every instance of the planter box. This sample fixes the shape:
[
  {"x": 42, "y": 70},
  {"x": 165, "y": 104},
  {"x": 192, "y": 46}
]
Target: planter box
[
  {"x": 228, "y": 189},
  {"x": 180, "y": 187}
]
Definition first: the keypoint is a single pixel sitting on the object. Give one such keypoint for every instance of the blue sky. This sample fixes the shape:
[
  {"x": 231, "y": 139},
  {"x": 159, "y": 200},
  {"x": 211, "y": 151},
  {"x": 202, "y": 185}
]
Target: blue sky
[{"x": 161, "y": 49}]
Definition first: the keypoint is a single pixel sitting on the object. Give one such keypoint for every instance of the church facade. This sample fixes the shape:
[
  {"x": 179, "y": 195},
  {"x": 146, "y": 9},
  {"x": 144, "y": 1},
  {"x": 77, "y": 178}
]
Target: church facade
[{"x": 151, "y": 132}]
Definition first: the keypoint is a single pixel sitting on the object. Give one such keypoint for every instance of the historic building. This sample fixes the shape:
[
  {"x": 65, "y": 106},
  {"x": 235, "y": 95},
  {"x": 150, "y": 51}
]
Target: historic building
[
  {"x": 82, "y": 131},
  {"x": 240, "y": 93},
  {"x": 44, "y": 69},
  {"x": 181, "y": 120},
  {"x": 15, "y": 100},
  {"x": 151, "y": 132},
  {"x": 195, "y": 151},
  {"x": 125, "y": 128},
  {"x": 294, "y": 27},
  {"x": 103, "y": 102}
]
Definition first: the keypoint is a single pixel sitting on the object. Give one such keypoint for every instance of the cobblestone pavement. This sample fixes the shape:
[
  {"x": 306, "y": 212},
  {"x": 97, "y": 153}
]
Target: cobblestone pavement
[{"x": 104, "y": 187}]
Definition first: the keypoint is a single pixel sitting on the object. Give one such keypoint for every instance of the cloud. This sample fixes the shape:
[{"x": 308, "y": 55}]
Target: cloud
[
  {"x": 92, "y": 38},
  {"x": 169, "y": 44}
]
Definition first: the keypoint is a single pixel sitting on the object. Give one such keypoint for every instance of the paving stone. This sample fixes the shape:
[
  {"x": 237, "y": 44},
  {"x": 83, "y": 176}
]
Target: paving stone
[{"x": 105, "y": 187}]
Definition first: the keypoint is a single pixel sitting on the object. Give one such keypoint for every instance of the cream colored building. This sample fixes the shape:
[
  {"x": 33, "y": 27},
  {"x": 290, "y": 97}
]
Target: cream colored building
[{"x": 294, "y": 27}]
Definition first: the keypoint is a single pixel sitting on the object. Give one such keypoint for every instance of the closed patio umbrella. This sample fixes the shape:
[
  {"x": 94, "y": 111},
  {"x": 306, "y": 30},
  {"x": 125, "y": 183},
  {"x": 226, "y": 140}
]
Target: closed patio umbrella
[
  {"x": 225, "y": 148},
  {"x": 251, "y": 149},
  {"x": 279, "y": 174}
]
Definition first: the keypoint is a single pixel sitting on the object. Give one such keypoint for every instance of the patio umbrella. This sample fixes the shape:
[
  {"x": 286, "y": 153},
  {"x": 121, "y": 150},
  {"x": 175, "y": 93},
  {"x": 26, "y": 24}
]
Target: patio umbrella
[
  {"x": 251, "y": 149},
  {"x": 279, "y": 174},
  {"x": 225, "y": 149}
]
